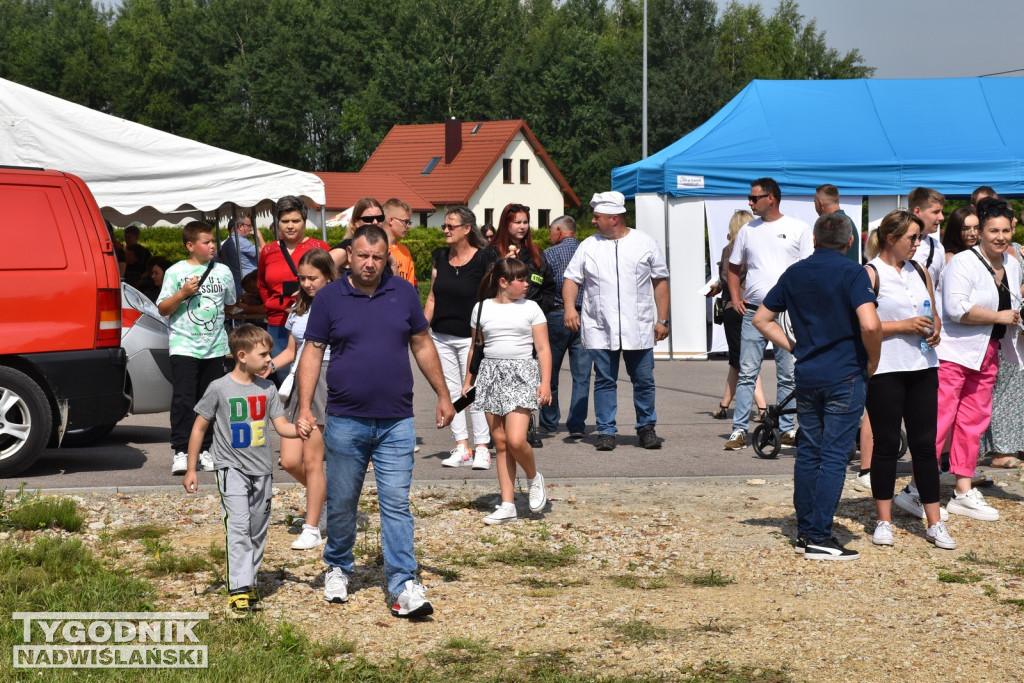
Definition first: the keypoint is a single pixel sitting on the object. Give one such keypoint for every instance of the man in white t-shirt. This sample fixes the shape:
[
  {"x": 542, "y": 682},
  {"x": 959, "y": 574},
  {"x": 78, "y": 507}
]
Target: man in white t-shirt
[
  {"x": 768, "y": 245},
  {"x": 927, "y": 204}
]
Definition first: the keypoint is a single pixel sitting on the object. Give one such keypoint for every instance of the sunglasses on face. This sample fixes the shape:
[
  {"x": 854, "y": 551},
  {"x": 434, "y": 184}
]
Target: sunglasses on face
[
  {"x": 378, "y": 218},
  {"x": 754, "y": 198}
]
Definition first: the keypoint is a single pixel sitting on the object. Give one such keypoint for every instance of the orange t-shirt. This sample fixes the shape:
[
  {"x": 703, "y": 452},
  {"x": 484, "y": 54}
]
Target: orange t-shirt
[{"x": 404, "y": 263}]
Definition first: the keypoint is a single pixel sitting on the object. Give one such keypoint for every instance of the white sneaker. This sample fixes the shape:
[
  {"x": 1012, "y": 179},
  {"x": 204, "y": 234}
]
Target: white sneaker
[
  {"x": 180, "y": 464},
  {"x": 973, "y": 505},
  {"x": 909, "y": 501},
  {"x": 939, "y": 535},
  {"x": 503, "y": 514},
  {"x": 309, "y": 538},
  {"x": 862, "y": 483},
  {"x": 538, "y": 496},
  {"x": 481, "y": 458},
  {"x": 335, "y": 585},
  {"x": 412, "y": 601},
  {"x": 883, "y": 534},
  {"x": 460, "y": 456},
  {"x": 205, "y": 463}
]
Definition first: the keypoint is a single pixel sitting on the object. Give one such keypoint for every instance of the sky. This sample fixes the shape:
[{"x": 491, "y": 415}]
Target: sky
[{"x": 922, "y": 38}]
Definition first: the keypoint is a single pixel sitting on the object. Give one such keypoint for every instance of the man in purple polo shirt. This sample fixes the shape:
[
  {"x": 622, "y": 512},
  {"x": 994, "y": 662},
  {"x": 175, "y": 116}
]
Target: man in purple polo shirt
[{"x": 370, "y": 320}]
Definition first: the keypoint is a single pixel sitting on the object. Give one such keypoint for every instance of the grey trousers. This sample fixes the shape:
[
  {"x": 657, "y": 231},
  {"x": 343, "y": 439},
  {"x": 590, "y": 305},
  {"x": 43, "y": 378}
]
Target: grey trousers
[{"x": 245, "y": 500}]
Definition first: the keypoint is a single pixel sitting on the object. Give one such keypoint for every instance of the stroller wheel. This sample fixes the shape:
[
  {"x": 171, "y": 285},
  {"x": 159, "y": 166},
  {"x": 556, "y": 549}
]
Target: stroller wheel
[{"x": 766, "y": 442}]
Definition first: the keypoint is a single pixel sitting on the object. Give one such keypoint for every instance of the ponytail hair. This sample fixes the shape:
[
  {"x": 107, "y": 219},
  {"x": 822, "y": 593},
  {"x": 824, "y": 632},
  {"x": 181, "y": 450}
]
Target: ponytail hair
[
  {"x": 322, "y": 261},
  {"x": 510, "y": 269},
  {"x": 872, "y": 248},
  {"x": 894, "y": 224}
]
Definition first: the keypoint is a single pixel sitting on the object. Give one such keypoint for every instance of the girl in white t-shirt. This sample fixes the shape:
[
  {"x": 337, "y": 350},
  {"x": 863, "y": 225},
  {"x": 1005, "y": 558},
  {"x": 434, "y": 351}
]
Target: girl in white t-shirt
[
  {"x": 511, "y": 382},
  {"x": 304, "y": 460}
]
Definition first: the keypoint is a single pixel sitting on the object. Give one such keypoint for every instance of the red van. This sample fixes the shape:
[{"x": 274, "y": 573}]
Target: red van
[{"x": 61, "y": 362}]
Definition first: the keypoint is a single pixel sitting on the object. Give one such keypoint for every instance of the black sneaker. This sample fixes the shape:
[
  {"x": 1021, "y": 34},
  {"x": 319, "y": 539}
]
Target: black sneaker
[
  {"x": 532, "y": 437},
  {"x": 648, "y": 439},
  {"x": 829, "y": 550},
  {"x": 801, "y": 544},
  {"x": 606, "y": 442}
]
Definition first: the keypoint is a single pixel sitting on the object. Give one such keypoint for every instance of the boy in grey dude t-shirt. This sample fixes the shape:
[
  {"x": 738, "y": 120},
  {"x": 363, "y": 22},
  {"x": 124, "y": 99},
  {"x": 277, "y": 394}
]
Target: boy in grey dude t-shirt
[{"x": 239, "y": 405}]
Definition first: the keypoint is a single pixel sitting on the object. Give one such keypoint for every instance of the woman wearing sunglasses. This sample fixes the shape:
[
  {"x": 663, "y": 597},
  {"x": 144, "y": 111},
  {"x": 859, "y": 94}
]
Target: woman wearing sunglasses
[
  {"x": 367, "y": 211},
  {"x": 455, "y": 278},
  {"x": 981, "y": 301},
  {"x": 904, "y": 388},
  {"x": 514, "y": 240}
]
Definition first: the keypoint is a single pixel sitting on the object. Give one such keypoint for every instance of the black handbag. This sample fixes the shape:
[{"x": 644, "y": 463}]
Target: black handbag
[
  {"x": 718, "y": 310},
  {"x": 478, "y": 344},
  {"x": 289, "y": 288}
]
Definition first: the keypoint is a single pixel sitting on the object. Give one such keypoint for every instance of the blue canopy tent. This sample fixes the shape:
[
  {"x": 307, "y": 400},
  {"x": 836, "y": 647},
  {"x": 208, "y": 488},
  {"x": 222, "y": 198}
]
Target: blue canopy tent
[{"x": 874, "y": 138}]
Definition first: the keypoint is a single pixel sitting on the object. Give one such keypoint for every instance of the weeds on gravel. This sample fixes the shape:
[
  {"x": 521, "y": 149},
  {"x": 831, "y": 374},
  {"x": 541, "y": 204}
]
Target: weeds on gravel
[
  {"x": 712, "y": 626},
  {"x": 33, "y": 513},
  {"x": 710, "y": 578},
  {"x": 137, "y": 533},
  {"x": 638, "y": 631},
  {"x": 960, "y": 577},
  {"x": 533, "y": 582},
  {"x": 447, "y": 573},
  {"x": 1016, "y": 602},
  {"x": 521, "y": 555},
  {"x": 217, "y": 552},
  {"x": 634, "y": 582}
]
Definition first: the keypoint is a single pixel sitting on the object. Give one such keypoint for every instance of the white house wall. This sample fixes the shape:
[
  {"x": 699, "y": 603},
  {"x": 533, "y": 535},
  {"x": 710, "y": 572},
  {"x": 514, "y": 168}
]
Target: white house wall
[{"x": 542, "y": 191}]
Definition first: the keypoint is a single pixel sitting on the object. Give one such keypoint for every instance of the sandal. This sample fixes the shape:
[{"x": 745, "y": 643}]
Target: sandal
[
  {"x": 761, "y": 412},
  {"x": 1009, "y": 463},
  {"x": 722, "y": 412}
]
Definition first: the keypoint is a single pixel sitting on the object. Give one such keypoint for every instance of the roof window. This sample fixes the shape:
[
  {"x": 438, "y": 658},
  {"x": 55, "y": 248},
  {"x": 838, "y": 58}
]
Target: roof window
[{"x": 430, "y": 165}]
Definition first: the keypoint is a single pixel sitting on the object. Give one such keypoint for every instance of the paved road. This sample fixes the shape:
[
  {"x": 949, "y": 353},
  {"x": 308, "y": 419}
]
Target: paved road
[{"x": 137, "y": 454}]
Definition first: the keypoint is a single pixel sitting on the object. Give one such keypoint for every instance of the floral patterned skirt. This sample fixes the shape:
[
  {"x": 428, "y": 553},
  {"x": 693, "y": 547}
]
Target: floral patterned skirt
[{"x": 506, "y": 384}]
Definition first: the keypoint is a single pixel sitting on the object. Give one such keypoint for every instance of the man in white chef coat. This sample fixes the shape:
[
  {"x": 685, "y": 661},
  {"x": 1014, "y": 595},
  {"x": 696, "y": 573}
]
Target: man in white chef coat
[{"x": 624, "y": 279}]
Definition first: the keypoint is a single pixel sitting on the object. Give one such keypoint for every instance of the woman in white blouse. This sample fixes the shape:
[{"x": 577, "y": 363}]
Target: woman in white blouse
[
  {"x": 981, "y": 301},
  {"x": 905, "y": 386}
]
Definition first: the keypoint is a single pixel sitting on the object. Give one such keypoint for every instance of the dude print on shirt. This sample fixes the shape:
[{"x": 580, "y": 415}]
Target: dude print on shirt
[{"x": 248, "y": 426}]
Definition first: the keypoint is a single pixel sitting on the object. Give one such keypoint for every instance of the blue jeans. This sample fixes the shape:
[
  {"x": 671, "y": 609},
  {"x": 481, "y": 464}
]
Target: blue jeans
[
  {"x": 752, "y": 346},
  {"x": 280, "y": 335},
  {"x": 563, "y": 340},
  {"x": 829, "y": 417},
  {"x": 640, "y": 366},
  {"x": 351, "y": 443}
]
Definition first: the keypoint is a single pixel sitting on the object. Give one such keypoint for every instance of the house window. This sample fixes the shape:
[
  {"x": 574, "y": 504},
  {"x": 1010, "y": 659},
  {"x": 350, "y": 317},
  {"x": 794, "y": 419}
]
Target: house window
[
  {"x": 430, "y": 165},
  {"x": 506, "y": 171},
  {"x": 524, "y": 171},
  {"x": 424, "y": 215},
  {"x": 543, "y": 218},
  {"x": 488, "y": 216}
]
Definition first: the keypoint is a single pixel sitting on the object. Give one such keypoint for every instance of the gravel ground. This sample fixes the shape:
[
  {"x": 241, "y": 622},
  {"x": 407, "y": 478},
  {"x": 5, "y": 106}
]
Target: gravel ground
[{"x": 629, "y": 601}]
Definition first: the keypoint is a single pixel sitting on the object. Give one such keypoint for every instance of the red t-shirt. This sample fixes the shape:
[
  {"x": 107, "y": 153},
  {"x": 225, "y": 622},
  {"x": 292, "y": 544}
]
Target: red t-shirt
[{"x": 274, "y": 271}]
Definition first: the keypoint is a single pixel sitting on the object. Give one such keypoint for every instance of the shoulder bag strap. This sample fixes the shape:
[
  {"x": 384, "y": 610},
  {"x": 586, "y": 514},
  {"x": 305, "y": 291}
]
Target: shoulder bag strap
[
  {"x": 288, "y": 258},
  {"x": 478, "y": 334},
  {"x": 206, "y": 273},
  {"x": 931, "y": 252},
  {"x": 877, "y": 284}
]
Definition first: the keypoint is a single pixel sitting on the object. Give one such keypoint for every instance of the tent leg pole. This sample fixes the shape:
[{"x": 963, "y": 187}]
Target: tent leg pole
[{"x": 323, "y": 220}]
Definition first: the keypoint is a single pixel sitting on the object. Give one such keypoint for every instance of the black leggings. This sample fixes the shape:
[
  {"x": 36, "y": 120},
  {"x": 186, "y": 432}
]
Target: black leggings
[{"x": 911, "y": 397}]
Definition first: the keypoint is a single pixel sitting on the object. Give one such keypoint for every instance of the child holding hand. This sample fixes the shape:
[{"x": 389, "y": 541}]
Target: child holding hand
[{"x": 239, "y": 405}]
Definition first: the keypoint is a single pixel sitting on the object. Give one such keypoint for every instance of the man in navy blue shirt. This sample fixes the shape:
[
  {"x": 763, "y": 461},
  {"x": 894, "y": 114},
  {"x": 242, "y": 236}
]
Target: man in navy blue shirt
[
  {"x": 370, "y": 320},
  {"x": 831, "y": 306}
]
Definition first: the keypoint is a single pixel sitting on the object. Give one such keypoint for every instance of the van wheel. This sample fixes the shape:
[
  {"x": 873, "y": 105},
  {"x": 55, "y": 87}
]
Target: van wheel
[
  {"x": 25, "y": 421},
  {"x": 80, "y": 438}
]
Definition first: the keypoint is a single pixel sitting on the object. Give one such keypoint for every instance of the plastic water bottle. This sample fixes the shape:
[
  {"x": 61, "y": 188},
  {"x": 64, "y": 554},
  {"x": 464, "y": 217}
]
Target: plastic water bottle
[{"x": 925, "y": 346}]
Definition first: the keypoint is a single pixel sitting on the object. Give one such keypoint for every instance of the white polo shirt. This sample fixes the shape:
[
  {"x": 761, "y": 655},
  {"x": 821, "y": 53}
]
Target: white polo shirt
[
  {"x": 768, "y": 248},
  {"x": 618, "y": 292}
]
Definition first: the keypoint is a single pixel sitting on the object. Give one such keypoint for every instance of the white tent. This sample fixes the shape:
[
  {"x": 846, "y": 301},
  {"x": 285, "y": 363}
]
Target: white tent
[{"x": 137, "y": 172}]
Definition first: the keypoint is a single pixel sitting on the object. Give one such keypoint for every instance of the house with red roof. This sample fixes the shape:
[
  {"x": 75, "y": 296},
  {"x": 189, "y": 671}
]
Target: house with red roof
[
  {"x": 345, "y": 189},
  {"x": 480, "y": 164}
]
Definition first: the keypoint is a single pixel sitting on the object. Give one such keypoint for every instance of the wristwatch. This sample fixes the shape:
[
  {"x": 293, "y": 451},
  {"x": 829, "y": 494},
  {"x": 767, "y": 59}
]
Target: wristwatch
[
  {"x": 273, "y": 368},
  {"x": 662, "y": 322}
]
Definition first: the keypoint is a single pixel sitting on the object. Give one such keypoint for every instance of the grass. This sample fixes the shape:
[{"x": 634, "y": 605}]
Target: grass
[
  {"x": 42, "y": 513},
  {"x": 142, "y": 531},
  {"x": 638, "y": 631},
  {"x": 634, "y": 582},
  {"x": 521, "y": 555},
  {"x": 710, "y": 578},
  {"x": 1016, "y": 602},
  {"x": 533, "y": 582},
  {"x": 712, "y": 626},
  {"x": 959, "y": 577},
  {"x": 172, "y": 563}
]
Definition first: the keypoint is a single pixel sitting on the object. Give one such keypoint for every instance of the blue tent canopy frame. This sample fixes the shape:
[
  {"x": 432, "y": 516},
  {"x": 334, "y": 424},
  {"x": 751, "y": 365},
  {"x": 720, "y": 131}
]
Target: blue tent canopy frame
[{"x": 866, "y": 136}]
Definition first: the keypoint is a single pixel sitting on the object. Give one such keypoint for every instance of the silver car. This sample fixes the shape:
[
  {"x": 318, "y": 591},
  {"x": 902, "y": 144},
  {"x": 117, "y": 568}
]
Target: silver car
[{"x": 144, "y": 337}]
